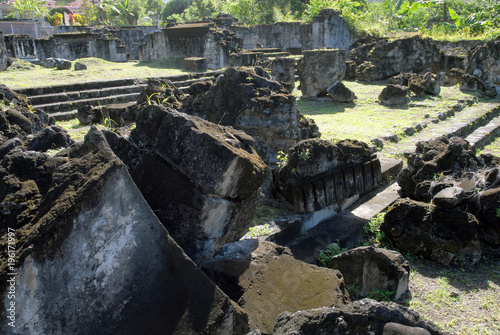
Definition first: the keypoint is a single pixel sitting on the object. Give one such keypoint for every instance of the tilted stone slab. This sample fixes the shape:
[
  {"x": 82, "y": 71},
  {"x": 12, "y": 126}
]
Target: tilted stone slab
[{"x": 95, "y": 260}]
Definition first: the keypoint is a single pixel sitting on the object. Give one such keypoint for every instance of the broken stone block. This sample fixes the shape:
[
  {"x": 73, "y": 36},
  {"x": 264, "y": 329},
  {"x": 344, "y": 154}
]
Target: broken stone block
[
  {"x": 195, "y": 64},
  {"x": 80, "y": 66},
  {"x": 484, "y": 58},
  {"x": 63, "y": 64},
  {"x": 384, "y": 59},
  {"x": 367, "y": 71},
  {"x": 282, "y": 70},
  {"x": 449, "y": 197},
  {"x": 487, "y": 211},
  {"x": 441, "y": 234},
  {"x": 371, "y": 269},
  {"x": 266, "y": 280},
  {"x": 365, "y": 316},
  {"x": 202, "y": 179},
  {"x": 250, "y": 101},
  {"x": 394, "y": 95},
  {"x": 470, "y": 83},
  {"x": 340, "y": 93},
  {"x": 49, "y": 63},
  {"x": 51, "y": 137},
  {"x": 348, "y": 167},
  {"x": 93, "y": 258},
  {"x": 318, "y": 69}
]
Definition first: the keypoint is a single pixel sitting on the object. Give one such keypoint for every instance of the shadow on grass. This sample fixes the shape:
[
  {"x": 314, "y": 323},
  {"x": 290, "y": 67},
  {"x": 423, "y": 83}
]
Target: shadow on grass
[
  {"x": 314, "y": 107},
  {"x": 169, "y": 63}
]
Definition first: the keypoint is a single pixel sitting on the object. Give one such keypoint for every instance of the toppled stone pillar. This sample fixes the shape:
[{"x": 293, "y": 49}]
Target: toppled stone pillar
[
  {"x": 249, "y": 100},
  {"x": 266, "y": 280},
  {"x": 318, "y": 176},
  {"x": 92, "y": 258},
  {"x": 318, "y": 69},
  {"x": 201, "y": 179}
]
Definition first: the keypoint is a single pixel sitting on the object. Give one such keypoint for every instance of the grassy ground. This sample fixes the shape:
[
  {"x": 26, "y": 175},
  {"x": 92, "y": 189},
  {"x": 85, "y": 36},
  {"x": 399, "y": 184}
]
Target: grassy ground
[
  {"x": 366, "y": 119},
  {"x": 492, "y": 147},
  {"x": 459, "y": 299},
  {"x": 24, "y": 74}
]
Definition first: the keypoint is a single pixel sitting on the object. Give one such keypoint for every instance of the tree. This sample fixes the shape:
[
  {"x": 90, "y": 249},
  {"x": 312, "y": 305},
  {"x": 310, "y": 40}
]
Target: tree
[
  {"x": 174, "y": 7},
  {"x": 37, "y": 6}
]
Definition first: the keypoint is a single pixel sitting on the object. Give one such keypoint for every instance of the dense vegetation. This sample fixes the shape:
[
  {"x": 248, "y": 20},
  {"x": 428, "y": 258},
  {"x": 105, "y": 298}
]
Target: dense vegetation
[{"x": 449, "y": 19}]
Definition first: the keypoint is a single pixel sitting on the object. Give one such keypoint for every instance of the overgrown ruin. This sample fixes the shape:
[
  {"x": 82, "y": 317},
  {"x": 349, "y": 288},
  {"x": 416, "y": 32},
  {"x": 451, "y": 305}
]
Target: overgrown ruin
[{"x": 142, "y": 226}]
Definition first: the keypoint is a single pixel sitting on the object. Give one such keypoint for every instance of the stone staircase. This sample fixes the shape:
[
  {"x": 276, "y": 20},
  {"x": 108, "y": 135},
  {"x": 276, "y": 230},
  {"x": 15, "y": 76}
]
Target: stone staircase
[{"x": 62, "y": 101}]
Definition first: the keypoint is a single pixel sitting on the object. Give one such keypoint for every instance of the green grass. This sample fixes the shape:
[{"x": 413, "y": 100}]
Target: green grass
[
  {"x": 76, "y": 130},
  {"x": 21, "y": 75},
  {"x": 366, "y": 119},
  {"x": 493, "y": 147},
  {"x": 459, "y": 300}
]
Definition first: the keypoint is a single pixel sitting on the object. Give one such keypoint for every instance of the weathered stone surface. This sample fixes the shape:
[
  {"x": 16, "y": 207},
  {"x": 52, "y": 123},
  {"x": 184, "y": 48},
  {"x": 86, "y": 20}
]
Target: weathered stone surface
[
  {"x": 389, "y": 58},
  {"x": 80, "y": 66},
  {"x": 347, "y": 167},
  {"x": 359, "y": 317},
  {"x": 63, "y": 64},
  {"x": 443, "y": 235},
  {"x": 248, "y": 100},
  {"x": 449, "y": 197},
  {"x": 486, "y": 59},
  {"x": 93, "y": 258},
  {"x": 487, "y": 211},
  {"x": 340, "y": 93},
  {"x": 370, "y": 269},
  {"x": 5, "y": 60},
  {"x": 318, "y": 69},
  {"x": 90, "y": 114},
  {"x": 282, "y": 70},
  {"x": 394, "y": 95},
  {"x": 392, "y": 328},
  {"x": 51, "y": 137},
  {"x": 161, "y": 92},
  {"x": 267, "y": 280},
  {"x": 367, "y": 71},
  {"x": 49, "y": 63},
  {"x": 424, "y": 84},
  {"x": 470, "y": 83},
  {"x": 452, "y": 77},
  {"x": 438, "y": 157},
  {"x": 201, "y": 179}
]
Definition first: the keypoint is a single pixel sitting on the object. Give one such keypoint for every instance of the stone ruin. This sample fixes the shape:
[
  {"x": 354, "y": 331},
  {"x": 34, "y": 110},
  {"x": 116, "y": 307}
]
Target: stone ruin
[
  {"x": 319, "y": 177},
  {"x": 148, "y": 199},
  {"x": 452, "y": 203},
  {"x": 257, "y": 105}
]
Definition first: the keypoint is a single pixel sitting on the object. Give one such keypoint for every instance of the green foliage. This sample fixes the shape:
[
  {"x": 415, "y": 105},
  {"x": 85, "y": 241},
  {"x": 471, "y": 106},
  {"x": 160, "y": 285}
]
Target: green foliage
[
  {"x": 332, "y": 250},
  {"x": 305, "y": 156},
  {"x": 260, "y": 230},
  {"x": 173, "y": 7},
  {"x": 381, "y": 295},
  {"x": 282, "y": 159},
  {"x": 37, "y": 6},
  {"x": 372, "y": 228},
  {"x": 498, "y": 212}
]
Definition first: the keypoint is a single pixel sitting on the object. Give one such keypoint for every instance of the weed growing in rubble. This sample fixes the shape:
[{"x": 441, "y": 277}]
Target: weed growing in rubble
[
  {"x": 332, "y": 250},
  {"x": 282, "y": 159}
]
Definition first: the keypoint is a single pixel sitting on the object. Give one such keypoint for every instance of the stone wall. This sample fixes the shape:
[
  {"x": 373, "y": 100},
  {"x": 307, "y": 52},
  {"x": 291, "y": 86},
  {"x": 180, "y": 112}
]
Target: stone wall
[
  {"x": 189, "y": 40},
  {"x": 328, "y": 30},
  {"x": 69, "y": 46}
]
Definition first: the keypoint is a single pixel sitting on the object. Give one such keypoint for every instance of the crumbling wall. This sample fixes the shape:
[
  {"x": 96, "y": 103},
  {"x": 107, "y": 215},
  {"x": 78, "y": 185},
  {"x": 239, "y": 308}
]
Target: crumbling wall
[{"x": 328, "y": 30}]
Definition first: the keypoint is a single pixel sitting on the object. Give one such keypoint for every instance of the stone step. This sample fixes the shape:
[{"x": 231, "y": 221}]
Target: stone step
[
  {"x": 64, "y": 116},
  {"x": 484, "y": 134},
  {"x": 50, "y": 98},
  {"x": 29, "y": 92},
  {"x": 72, "y": 105}
]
